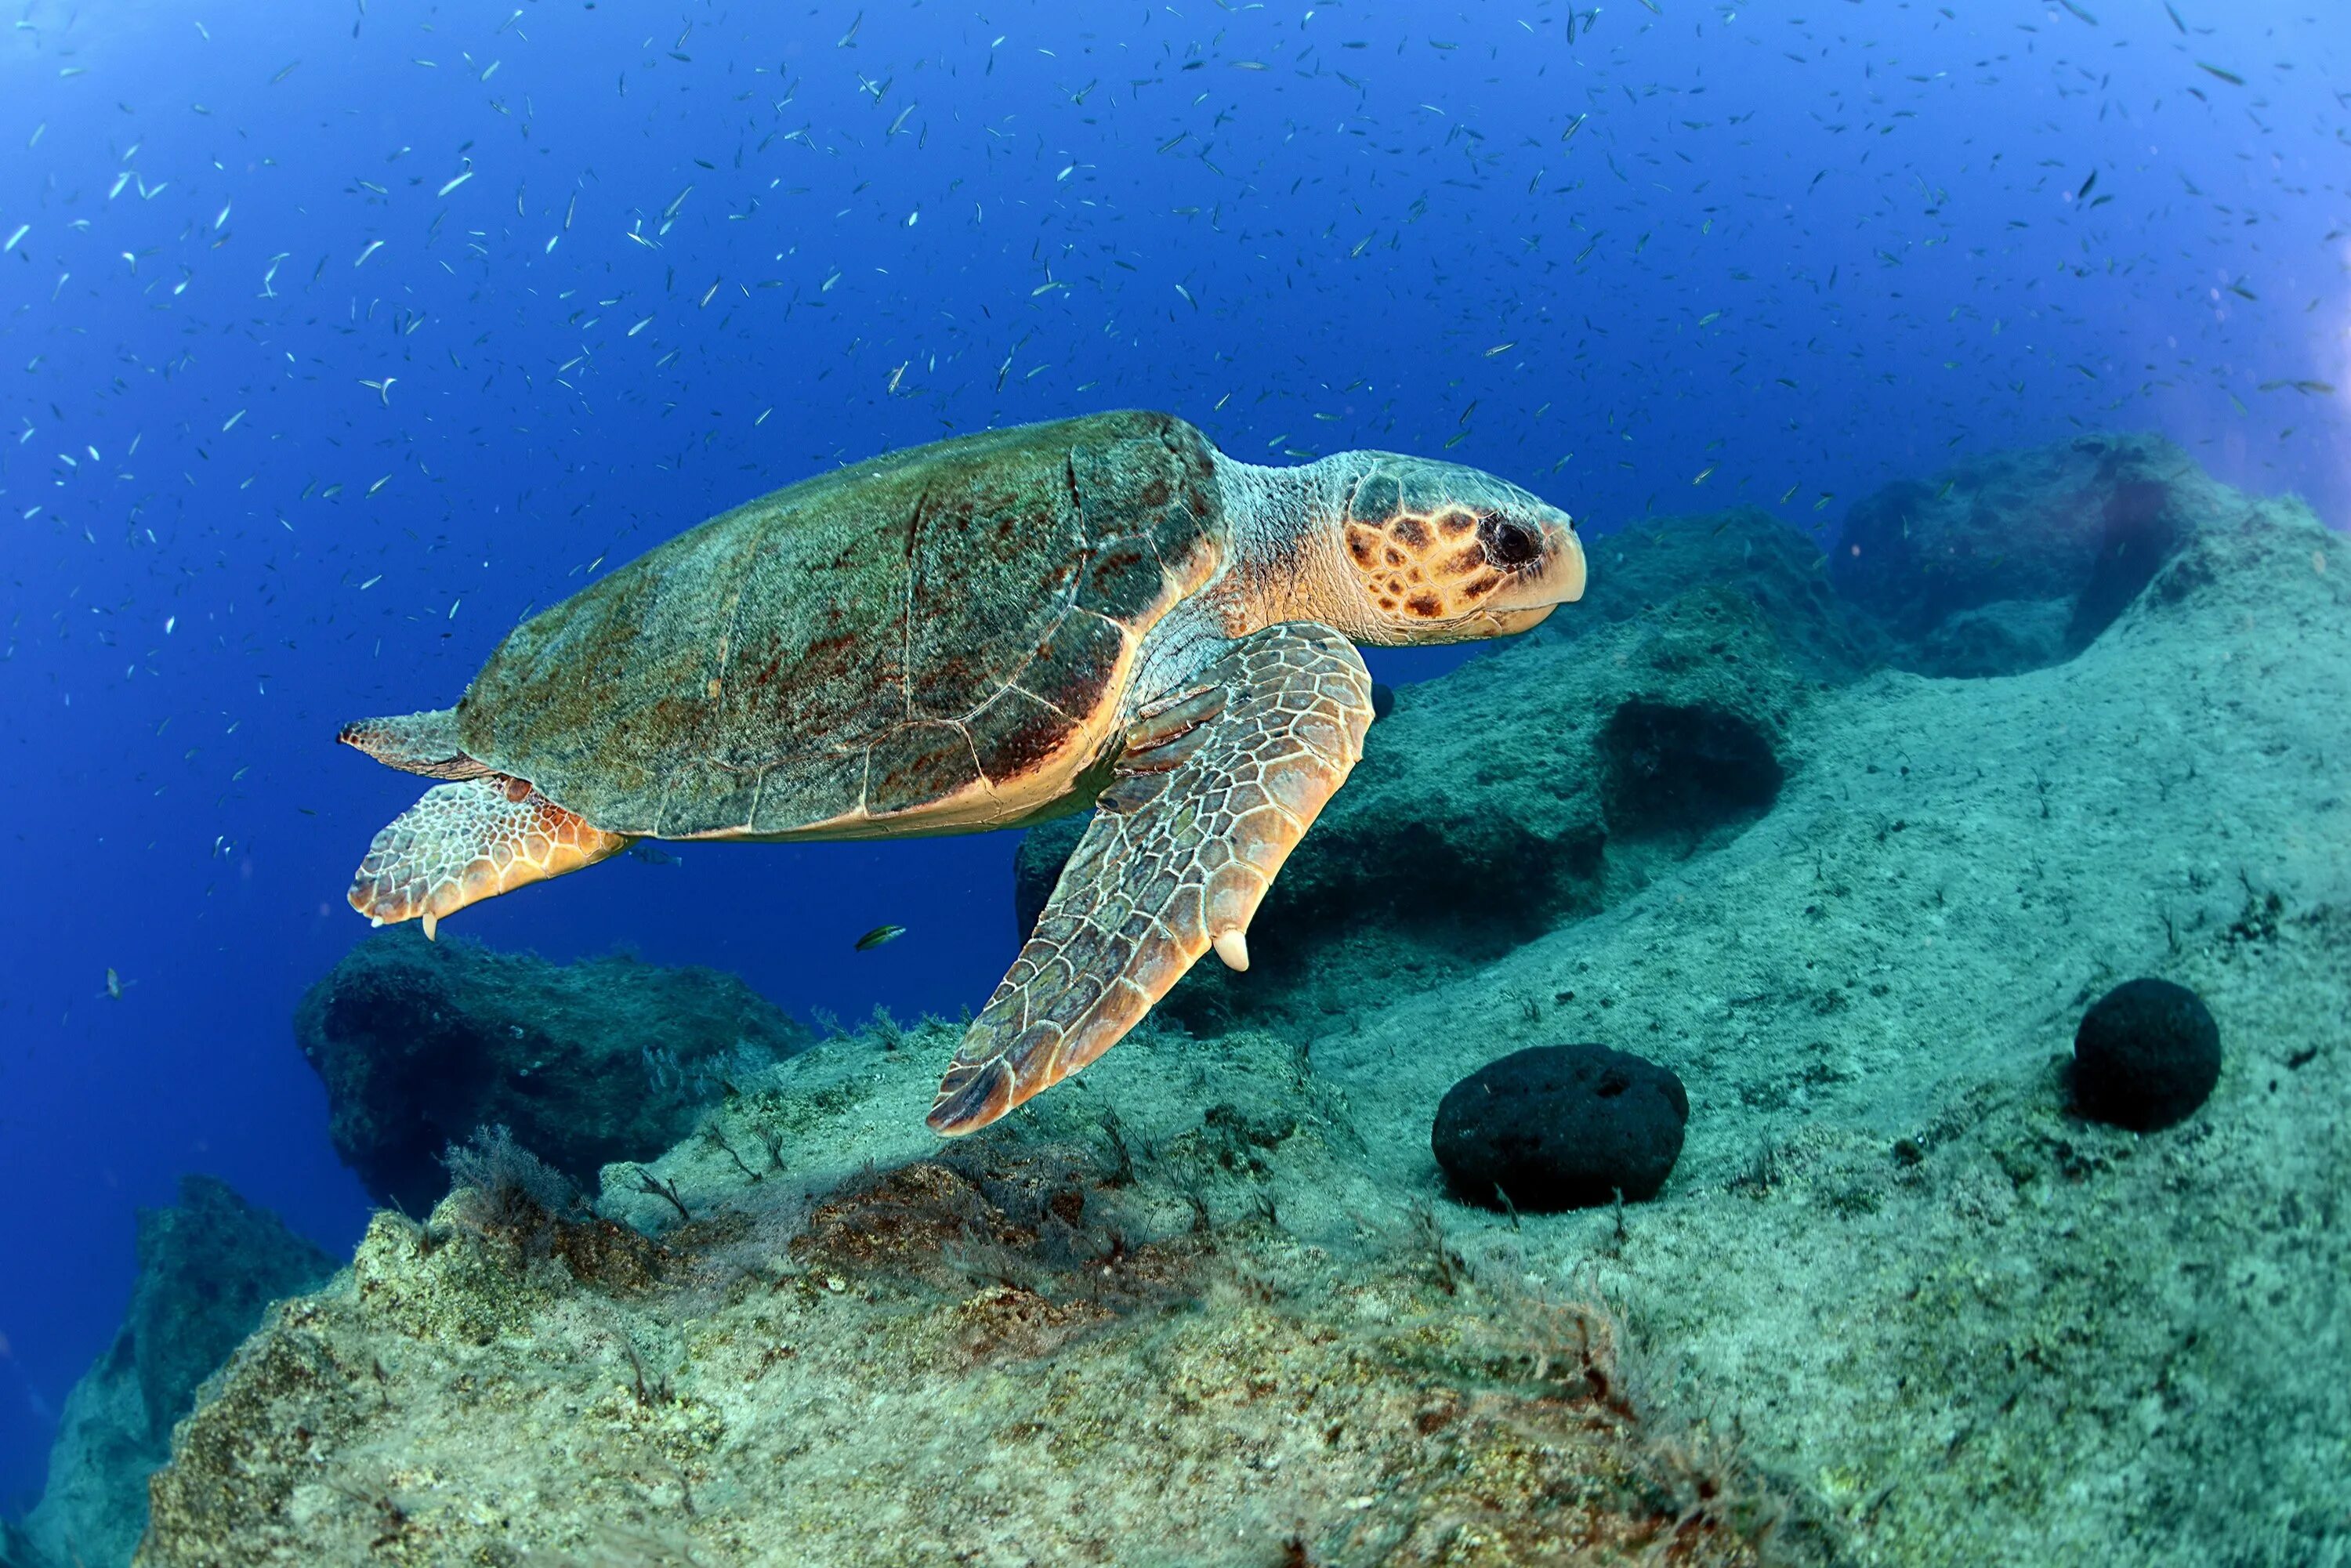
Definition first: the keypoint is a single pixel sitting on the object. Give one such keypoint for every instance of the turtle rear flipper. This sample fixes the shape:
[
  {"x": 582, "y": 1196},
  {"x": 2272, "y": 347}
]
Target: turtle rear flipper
[
  {"x": 423, "y": 743},
  {"x": 470, "y": 841},
  {"x": 1216, "y": 789}
]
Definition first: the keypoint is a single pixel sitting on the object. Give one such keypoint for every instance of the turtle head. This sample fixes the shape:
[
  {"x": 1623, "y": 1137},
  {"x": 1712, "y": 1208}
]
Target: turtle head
[{"x": 1441, "y": 553}]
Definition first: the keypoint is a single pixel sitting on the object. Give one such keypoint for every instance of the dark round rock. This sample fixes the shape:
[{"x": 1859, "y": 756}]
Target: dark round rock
[
  {"x": 2146, "y": 1055},
  {"x": 1561, "y": 1126},
  {"x": 1383, "y": 699}
]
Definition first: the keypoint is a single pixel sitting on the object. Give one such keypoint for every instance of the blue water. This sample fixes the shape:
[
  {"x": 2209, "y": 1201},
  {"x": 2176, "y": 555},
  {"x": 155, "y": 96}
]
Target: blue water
[{"x": 339, "y": 337}]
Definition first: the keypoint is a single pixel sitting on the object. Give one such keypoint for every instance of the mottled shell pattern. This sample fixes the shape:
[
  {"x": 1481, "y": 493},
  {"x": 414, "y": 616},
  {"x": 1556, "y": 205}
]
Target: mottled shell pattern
[{"x": 935, "y": 639}]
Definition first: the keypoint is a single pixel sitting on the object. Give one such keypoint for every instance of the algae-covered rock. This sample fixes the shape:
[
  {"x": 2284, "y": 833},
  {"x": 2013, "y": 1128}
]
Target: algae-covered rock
[
  {"x": 1090, "y": 1342},
  {"x": 208, "y": 1266},
  {"x": 419, "y": 1043},
  {"x": 2017, "y": 559}
]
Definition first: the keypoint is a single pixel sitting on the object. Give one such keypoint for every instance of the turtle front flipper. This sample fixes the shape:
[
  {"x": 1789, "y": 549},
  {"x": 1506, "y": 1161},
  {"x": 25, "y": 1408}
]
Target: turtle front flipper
[
  {"x": 471, "y": 841},
  {"x": 1217, "y": 784}
]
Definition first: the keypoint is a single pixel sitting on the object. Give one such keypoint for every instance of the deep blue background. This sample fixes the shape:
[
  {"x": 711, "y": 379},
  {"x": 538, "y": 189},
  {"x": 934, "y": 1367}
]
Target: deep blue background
[{"x": 706, "y": 250}]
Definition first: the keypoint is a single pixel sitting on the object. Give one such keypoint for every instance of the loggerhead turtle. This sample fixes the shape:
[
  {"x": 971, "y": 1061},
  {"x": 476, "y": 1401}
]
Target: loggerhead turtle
[{"x": 981, "y": 633}]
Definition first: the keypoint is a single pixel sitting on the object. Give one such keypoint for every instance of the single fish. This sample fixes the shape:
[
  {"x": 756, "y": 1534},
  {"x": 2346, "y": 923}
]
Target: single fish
[
  {"x": 653, "y": 855},
  {"x": 879, "y": 934},
  {"x": 113, "y": 986}
]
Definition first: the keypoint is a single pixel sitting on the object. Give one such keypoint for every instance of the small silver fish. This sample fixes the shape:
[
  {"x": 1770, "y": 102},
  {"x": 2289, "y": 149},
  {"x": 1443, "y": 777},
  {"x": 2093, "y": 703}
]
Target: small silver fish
[{"x": 879, "y": 934}]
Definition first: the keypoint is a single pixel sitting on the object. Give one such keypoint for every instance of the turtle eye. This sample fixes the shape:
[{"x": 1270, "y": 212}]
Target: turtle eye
[{"x": 1507, "y": 543}]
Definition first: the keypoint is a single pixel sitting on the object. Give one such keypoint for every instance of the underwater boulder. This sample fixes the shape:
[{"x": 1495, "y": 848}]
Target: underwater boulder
[
  {"x": 208, "y": 1266},
  {"x": 1561, "y": 1126},
  {"x": 419, "y": 1043},
  {"x": 2146, "y": 1055},
  {"x": 2018, "y": 559}
]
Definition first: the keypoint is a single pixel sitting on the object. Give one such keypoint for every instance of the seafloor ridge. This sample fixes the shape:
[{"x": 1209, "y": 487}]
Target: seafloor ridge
[{"x": 1848, "y": 844}]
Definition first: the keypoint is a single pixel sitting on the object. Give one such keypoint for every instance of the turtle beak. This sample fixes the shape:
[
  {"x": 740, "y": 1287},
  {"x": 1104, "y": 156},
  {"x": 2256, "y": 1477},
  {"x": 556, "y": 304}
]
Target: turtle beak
[{"x": 1555, "y": 577}]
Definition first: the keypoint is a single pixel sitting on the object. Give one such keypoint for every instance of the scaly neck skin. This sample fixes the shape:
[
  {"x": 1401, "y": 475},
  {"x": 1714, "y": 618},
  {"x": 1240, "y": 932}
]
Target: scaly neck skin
[
  {"x": 1287, "y": 558},
  {"x": 1284, "y": 561}
]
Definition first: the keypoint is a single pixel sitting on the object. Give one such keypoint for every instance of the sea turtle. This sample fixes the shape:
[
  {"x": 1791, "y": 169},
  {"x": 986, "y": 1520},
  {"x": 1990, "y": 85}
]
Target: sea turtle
[{"x": 982, "y": 634}]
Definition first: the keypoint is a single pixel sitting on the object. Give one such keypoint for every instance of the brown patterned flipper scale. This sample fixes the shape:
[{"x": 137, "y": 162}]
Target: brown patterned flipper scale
[
  {"x": 1218, "y": 783},
  {"x": 471, "y": 841}
]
